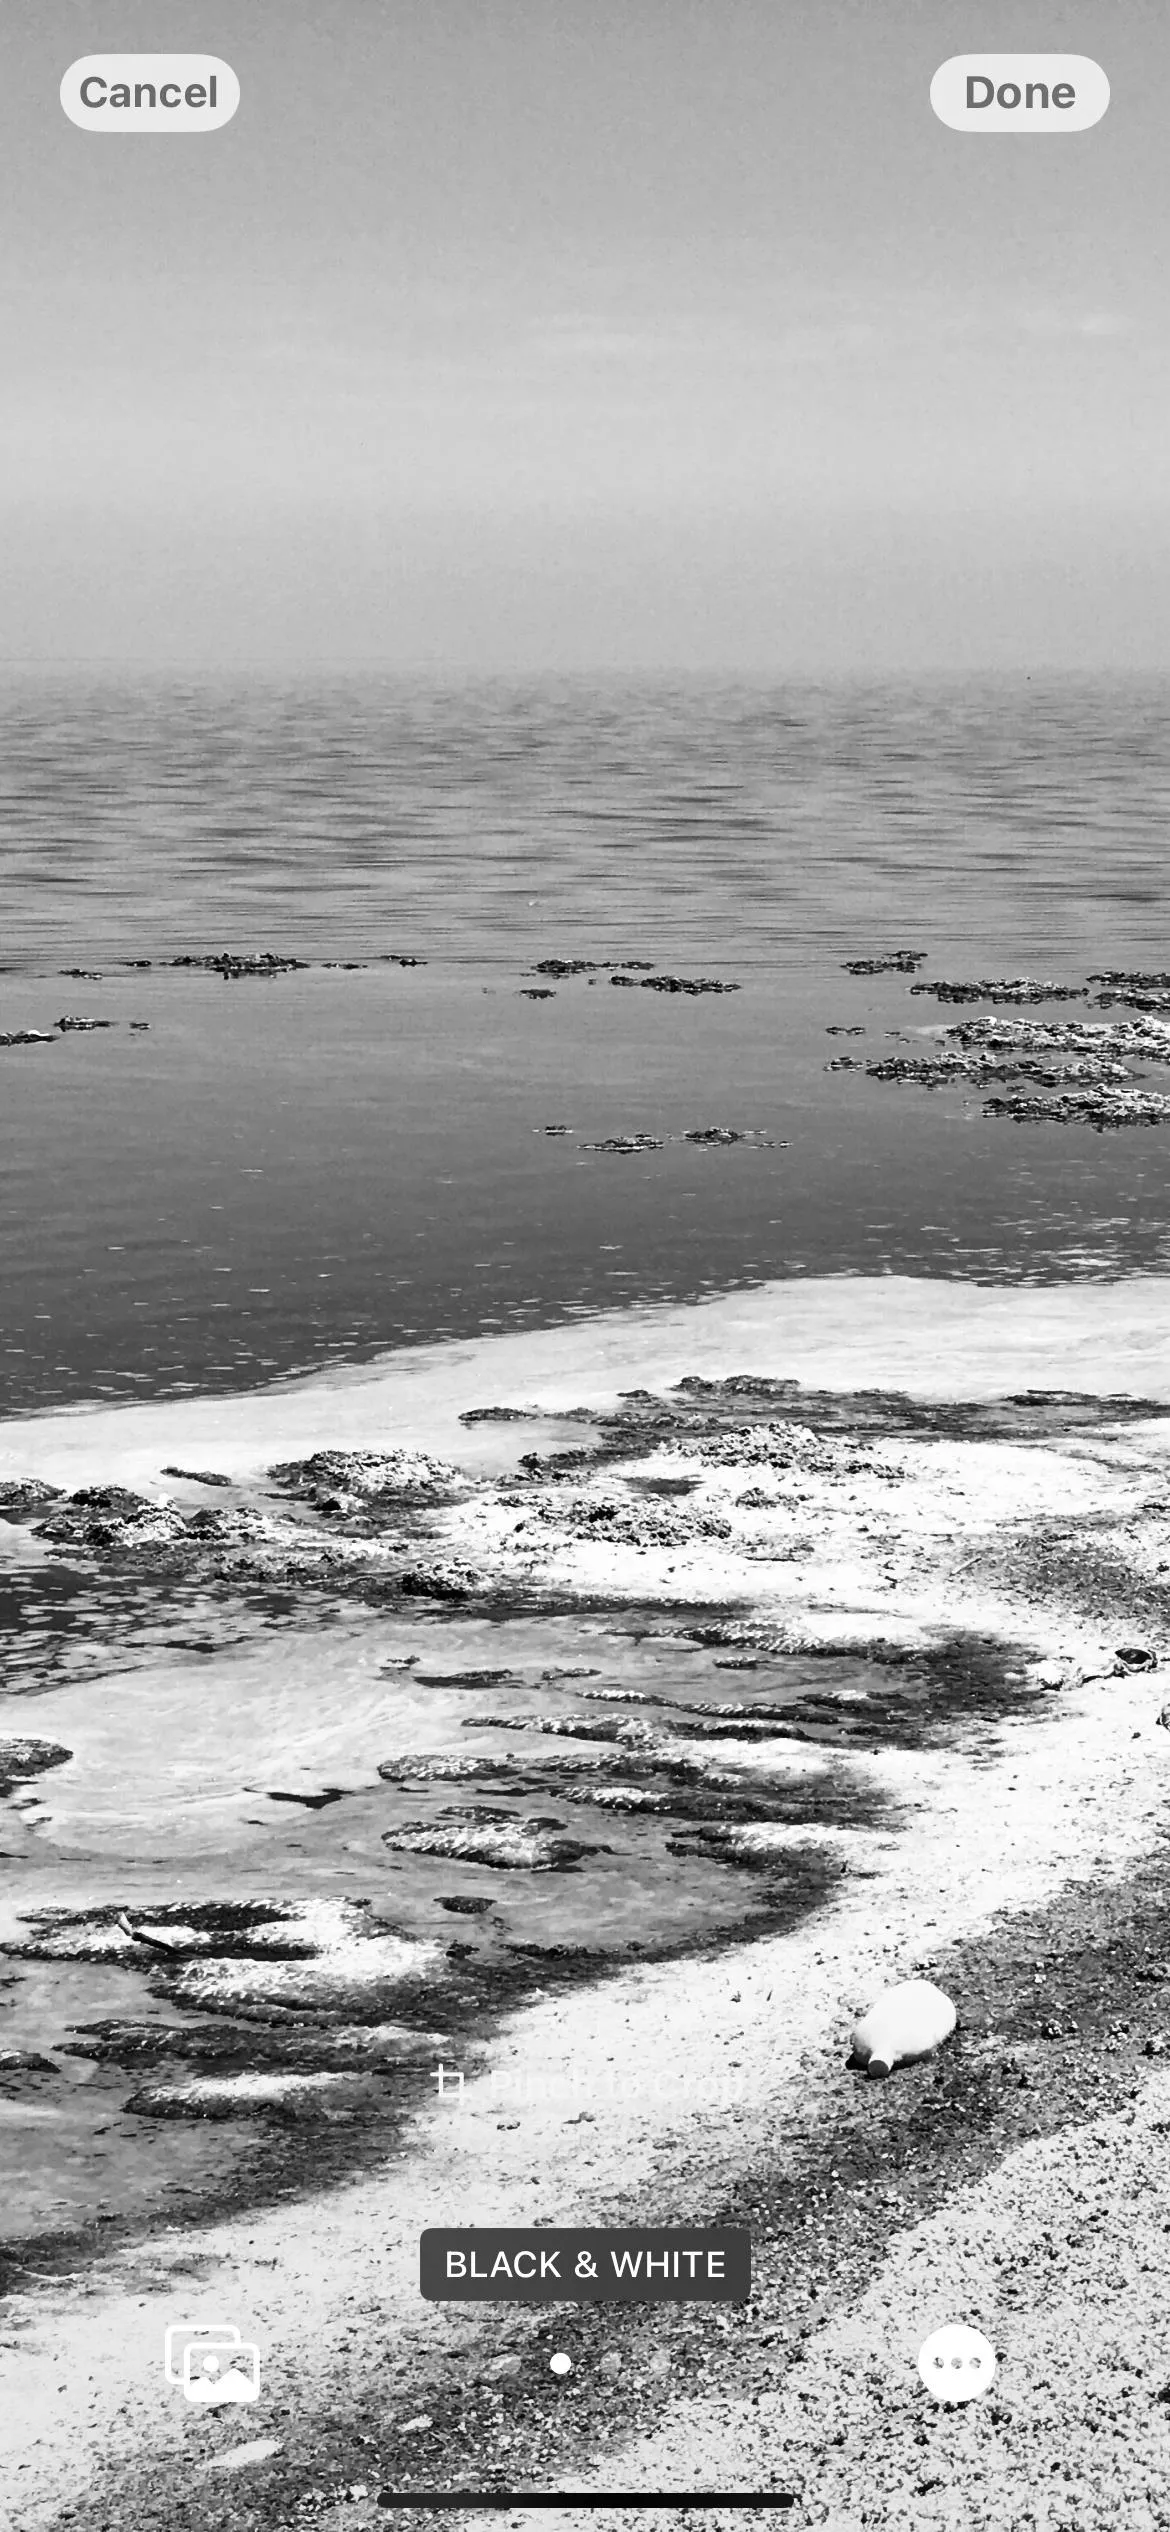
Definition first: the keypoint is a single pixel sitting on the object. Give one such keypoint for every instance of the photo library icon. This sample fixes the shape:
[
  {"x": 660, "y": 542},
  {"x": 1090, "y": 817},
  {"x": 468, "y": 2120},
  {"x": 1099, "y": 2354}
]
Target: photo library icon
[{"x": 211, "y": 2363}]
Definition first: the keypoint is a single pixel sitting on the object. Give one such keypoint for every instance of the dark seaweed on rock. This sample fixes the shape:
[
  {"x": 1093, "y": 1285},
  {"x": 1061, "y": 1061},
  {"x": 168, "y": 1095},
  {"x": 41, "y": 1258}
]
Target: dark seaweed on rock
[
  {"x": 901, "y": 962},
  {"x": 198, "y": 1476}
]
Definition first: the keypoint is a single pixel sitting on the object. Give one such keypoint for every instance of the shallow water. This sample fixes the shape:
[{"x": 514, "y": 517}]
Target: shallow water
[
  {"x": 315, "y": 1166},
  {"x": 196, "y": 1778}
]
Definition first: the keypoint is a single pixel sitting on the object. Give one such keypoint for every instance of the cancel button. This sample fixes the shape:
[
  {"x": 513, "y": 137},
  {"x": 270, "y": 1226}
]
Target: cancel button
[{"x": 632, "y": 2264}]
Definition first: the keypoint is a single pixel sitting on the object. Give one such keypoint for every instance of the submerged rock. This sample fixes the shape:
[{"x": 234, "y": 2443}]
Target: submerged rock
[
  {"x": 479, "y": 1835},
  {"x": 249, "y": 2046},
  {"x": 627, "y": 1143},
  {"x": 249, "y": 1957},
  {"x": 74, "y": 1020},
  {"x": 908, "y": 2023},
  {"x": 27, "y": 1037},
  {"x": 20, "y": 2066},
  {"x": 198, "y": 1476},
  {"x": 900, "y": 962},
  {"x": 21, "y": 1758},
  {"x": 462, "y": 1678},
  {"x": 245, "y": 2096},
  {"x": 537, "y": 993}
]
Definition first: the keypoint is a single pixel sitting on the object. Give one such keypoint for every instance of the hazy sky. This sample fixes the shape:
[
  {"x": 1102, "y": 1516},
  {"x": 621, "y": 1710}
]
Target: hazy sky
[{"x": 501, "y": 333}]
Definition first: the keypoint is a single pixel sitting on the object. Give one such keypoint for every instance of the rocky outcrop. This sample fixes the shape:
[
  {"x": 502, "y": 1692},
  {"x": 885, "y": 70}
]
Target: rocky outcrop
[
  {"x": 368, "y": 1482},
  {"x": 21, "y": 1497},
  {"x": 1103, "y": 1110},
  {"x": 1000, "y": 989},
  {"x": 232, "y": 964},
  {"x": 676, "y": 984},
  {"x": 899, "y": 962}
]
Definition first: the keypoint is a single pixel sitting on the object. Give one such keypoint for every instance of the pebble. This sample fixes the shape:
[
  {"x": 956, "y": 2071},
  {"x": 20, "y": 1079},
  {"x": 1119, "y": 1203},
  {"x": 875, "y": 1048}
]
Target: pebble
[{"x": 243, "y": 2456}]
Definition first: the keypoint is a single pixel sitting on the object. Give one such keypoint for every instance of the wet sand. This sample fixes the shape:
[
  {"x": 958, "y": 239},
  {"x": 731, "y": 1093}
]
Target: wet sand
[{"x": 1049, "y": 1544}]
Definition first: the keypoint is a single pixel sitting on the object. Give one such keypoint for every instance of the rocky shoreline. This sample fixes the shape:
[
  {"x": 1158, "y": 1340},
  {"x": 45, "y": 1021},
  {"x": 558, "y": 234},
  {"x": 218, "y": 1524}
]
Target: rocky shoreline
[{"x": 868, "y": 1620}]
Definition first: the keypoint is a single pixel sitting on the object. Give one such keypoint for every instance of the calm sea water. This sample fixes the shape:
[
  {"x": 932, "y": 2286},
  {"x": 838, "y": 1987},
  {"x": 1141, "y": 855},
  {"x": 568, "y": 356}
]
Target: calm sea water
[{"x": 275, "y": 1174}]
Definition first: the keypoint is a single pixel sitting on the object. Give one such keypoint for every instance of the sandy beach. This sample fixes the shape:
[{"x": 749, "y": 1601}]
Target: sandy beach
[{"x": 679, "y": 2088}]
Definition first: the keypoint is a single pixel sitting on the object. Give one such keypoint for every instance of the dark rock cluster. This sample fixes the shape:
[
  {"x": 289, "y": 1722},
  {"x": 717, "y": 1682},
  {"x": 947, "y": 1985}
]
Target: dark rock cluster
[
  {"x": 899, "y": 962},
  {"x": 676, "y": 984},
  {"x": 232, "y": 964},
  {"x": 1000, "y": 989}
]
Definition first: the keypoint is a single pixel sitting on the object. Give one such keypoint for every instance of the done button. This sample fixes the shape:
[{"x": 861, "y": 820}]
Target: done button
[{"x": 1019, "y": 92}]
